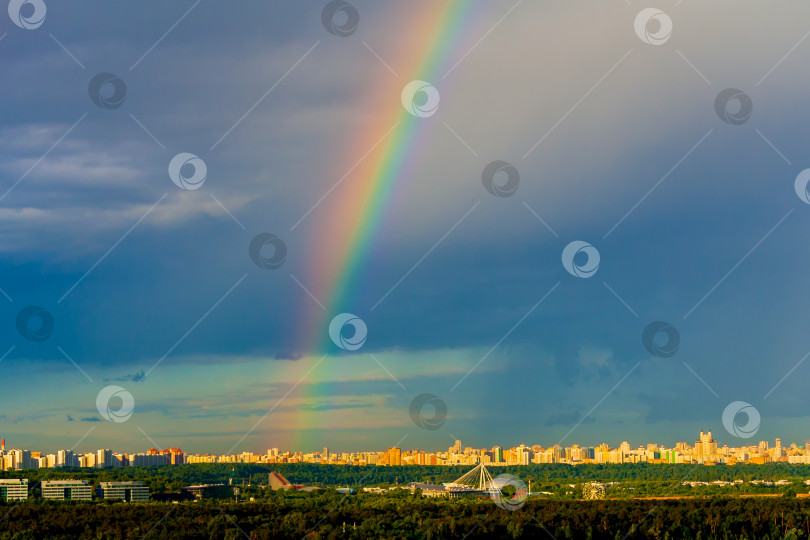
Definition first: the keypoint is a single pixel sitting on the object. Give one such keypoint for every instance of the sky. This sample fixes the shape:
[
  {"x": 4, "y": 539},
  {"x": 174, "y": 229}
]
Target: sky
[{"x": 614, "y": 129}]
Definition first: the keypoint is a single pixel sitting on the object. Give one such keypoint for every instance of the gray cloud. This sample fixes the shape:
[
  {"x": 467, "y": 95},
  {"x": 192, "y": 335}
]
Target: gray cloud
[{"x": 602, "y": 156}]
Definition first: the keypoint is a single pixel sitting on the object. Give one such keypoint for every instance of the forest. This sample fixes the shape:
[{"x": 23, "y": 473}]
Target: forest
[
  {"x": 328, "y": 514},
  {"x": 554, "y": 510}
]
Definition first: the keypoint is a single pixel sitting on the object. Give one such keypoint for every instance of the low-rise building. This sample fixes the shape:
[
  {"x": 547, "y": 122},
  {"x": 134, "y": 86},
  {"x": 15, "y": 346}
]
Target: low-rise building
[
  {"x": 451, "y": 491},
  {"x": 207, "y": 491},
  {"x": 67, "y": 490},
  {"x": 125, "y": 491},
  {"x": 14, "y": 489}
]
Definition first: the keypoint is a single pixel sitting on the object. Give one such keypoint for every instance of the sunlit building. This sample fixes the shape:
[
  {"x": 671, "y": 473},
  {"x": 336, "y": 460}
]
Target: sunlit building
[
  {"x": 67, "y": 490},
  {"x": 125, "y": 491},
  {"x": 14, "y": 489},
  {"x": 705, "y": 446},
  {"x": 394, "y": 456}
]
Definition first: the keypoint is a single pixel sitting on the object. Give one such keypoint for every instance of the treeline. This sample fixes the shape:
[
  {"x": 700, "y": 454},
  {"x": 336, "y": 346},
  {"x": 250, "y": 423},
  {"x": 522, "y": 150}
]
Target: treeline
[
  {"x": 326, "y": 514},
  {"x": 543, "y": 476}
]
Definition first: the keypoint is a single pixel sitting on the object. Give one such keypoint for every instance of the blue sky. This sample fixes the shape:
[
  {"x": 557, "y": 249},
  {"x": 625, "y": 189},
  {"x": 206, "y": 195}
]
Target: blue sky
[{"x": 713, "y": 242}]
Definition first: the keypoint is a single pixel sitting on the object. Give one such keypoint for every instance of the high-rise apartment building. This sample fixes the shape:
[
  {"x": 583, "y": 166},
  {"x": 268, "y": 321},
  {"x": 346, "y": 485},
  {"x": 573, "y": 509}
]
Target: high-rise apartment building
[
  {"x": 146, "y": 460},
  {"x": 23, "y": 459},
  {"x": 104, "y": 458},
  {"x": 395, "y": 456},
  {"x": 670, "y": 456},
  {"x": 522, "y": 455},
  {"x": 705, "y": 446}
]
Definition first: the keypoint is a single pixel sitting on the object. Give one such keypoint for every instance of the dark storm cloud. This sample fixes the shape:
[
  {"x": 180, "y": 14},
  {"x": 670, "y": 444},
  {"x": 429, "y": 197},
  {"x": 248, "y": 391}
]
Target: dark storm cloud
[{"x": 676, "y": 257}]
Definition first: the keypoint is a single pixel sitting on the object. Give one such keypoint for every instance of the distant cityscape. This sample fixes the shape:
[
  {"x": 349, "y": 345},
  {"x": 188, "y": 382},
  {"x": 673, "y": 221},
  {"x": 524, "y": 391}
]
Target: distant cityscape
[{"x": 704, "y": 450}]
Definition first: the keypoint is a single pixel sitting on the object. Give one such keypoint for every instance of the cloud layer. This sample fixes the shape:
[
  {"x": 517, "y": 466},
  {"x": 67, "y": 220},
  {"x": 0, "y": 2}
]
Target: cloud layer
[{"x": 616, "y": 143}]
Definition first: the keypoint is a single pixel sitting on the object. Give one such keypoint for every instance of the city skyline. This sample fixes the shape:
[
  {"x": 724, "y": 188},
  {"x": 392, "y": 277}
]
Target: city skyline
[{"x": 704, "y": 444}]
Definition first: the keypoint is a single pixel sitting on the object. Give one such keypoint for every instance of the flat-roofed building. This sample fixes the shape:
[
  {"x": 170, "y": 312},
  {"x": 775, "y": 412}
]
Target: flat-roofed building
[
  {"x": 452, "y": 491},
  {"x": 14, "y": 489},
  {"x": 207, "y": 491},
  {"x": 67, "y": 490},
  {"x": 125, "y": 491}
]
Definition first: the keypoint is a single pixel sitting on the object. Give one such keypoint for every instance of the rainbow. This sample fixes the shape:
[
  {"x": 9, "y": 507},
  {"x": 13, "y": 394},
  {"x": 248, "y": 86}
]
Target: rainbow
[
  {"x": 346, "y": 225},
  {"x": 350, "y": 221}
]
